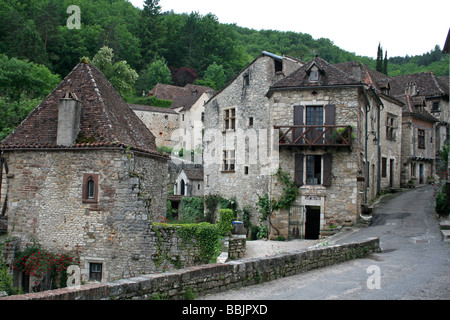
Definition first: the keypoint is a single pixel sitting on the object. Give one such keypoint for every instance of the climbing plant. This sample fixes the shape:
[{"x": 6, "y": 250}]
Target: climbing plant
[
  {"x": 52, "y": 268},
  {"x": 289, "y": 194},
  {"x": 192, "y": 209}
]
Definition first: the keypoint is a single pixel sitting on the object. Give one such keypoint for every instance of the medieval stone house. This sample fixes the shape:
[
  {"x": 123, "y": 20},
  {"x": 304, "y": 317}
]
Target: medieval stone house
[
  {"x": 162, "y": 122},
  {"x": 426, "y": 96},
  {"x": 188, "y": 103},
  {"x": 83, "y": 177},
  {"x": 237, "y": 148}
]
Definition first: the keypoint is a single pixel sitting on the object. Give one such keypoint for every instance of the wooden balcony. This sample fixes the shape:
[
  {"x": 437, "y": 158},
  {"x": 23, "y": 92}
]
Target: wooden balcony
[{"x": 315, "y": 136}]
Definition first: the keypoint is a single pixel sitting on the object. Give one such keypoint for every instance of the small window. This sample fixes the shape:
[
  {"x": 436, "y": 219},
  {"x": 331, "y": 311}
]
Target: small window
[
  {"x": 278, "y": 65},
  {"x": 246, "y": 80},
  {"x": 384, "y": 167},
  {"x": 95, "y": 272},
  {"x": 313, "y": 169},
  {"x": 90, "y": 188},
  {"x": 246, "y": 170},
  {"x": 229, "y": 161},
  {"x": 391, "y": 127},
  {"x": 436, "y": 107},
  {"x": 250, "y": 121},
  {"x": 421, "y": 139},
  {"x": 229, "y": 119}
]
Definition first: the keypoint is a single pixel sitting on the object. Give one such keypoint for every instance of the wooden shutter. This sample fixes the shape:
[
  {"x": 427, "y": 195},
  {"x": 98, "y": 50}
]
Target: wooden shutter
[
  {"x": 298, "y": 121},
  {"x": 330, "y": 118},
  {"x": 330, "y": 114},
  {"x": 299, "y": 169},
  {"x": 327, "y": 175}
]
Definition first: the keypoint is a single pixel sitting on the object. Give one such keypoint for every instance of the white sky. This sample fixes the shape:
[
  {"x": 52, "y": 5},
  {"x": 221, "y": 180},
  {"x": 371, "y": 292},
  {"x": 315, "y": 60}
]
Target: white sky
[{"x": 402, "y": 26}]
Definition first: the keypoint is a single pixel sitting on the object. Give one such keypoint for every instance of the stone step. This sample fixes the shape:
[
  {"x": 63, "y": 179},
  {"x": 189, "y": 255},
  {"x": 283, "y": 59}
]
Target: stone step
[
  {"x": 444, "y": 224},
  {"x": 446, "y": 235},
  {"x": 223, "y": 257}
]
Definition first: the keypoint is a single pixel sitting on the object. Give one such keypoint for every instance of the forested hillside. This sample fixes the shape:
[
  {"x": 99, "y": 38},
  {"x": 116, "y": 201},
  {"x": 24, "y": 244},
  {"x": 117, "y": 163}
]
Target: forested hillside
[{"x": 136, "y": 48}]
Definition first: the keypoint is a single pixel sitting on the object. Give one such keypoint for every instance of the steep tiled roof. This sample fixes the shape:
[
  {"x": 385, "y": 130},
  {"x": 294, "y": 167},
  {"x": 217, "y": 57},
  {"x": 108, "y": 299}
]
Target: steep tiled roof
[
  {"x": 194, "y": 174},
  {"x": 106, "y": 119},
  {"x": 181, "y": 97},
  {"x": 329, "y": 76},
  {"x": 426, "y": 83}
]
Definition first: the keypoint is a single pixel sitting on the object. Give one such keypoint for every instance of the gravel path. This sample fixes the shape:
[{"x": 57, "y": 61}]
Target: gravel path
[{"x": 263, "y": 248}]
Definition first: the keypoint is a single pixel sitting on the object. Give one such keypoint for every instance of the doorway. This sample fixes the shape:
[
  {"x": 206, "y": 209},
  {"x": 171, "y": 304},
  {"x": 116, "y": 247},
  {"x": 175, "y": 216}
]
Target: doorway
[
  {"x": 421, "y": 177},
  {"x": 312, "y": 222}
]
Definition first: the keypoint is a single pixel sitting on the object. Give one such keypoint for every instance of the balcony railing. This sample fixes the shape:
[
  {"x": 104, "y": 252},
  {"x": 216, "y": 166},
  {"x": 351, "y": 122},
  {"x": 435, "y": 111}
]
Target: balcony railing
[{"x": 313, "y": 136}]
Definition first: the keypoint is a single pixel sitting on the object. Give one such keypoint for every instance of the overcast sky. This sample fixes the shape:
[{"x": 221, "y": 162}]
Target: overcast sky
[{"x": 403, "y": 27}]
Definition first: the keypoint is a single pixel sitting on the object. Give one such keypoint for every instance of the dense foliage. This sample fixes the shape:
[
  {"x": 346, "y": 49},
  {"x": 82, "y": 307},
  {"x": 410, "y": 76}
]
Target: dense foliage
[{"x": 156, "y": 44}]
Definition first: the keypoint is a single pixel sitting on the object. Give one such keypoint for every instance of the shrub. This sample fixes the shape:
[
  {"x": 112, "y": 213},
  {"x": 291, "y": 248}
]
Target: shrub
[
  {"x": 224, "y": 224},
  {"x": 263, "y": 232}
]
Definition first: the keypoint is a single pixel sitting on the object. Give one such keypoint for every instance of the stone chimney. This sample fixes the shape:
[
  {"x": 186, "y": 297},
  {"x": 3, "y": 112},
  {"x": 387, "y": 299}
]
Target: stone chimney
[
  {"x": 411, "y": 89},
  {"x": 356, "y": 71},
  {"x": 69, "y": 115}
]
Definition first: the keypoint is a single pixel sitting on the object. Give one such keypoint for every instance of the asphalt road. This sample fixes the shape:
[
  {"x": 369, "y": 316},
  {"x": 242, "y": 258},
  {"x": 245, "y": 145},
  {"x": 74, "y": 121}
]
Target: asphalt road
[{"x": 414, "y": 263}]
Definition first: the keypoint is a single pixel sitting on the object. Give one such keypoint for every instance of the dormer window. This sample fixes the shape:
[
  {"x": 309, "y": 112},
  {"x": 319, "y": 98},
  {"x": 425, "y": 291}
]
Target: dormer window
[{"x": 314, "y": 74}]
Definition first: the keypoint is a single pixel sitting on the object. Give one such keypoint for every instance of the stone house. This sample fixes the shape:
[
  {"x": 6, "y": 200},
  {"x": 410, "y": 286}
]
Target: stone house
[
  {"x": 430, "y": 93},
  {"x": 189, "y": 182},
  {"x": 418, "y": 139},
  {"x": 83, "y": 177},
  {"x": 329, "y": 141},
  {"x": 162, "y": 122},
  {"x": 236, "y": 138},
  {"x": 390, "y": 128},
  {"x": 188, "y": 102}
]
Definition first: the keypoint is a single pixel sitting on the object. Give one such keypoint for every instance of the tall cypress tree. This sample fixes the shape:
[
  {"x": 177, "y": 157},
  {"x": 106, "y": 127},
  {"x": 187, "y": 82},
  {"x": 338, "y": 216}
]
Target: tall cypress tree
[{"x": 379, "y": 66}]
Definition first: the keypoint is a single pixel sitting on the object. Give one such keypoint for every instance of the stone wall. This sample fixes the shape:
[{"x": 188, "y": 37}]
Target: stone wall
[
  {"x": 211, "y": 278},
  {"x": 45, "y": 204},
  {"x": 342, "y": 200},
  {"x": 249, "y": 139},
  {"x": 391, "y": 146},
  {"x": 162, "y": 122}
]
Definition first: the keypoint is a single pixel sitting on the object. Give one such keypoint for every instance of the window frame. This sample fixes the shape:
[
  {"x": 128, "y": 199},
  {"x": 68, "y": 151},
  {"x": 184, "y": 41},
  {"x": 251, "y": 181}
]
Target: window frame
[
  {"x": 90, "y": 182},
  {"x": 229, "y": 161},
  {"x": 421, "y": 138},
  {"x": 229, "y": 119},
  {"x": 92, "y": 273}
]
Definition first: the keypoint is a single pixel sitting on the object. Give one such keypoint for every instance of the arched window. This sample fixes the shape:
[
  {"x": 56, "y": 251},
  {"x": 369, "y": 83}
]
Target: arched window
[
  {"x": 182, "y": 187},
  {"x": 90, "y": 188}
]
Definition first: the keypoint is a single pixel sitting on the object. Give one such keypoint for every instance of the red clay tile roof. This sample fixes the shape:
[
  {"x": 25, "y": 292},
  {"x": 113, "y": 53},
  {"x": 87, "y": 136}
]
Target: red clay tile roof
[
  {"x": 181, "y": 97},
  {"x": 106, "y": 119}
]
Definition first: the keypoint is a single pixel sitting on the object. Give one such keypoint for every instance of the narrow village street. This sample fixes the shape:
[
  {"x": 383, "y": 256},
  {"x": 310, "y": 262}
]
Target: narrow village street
[{"x": 414, "y": 263}]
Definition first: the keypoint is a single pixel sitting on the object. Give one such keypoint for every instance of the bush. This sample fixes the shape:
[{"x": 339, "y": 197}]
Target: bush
[
  {"x": 254, "y": 232},
  {"x": 192, "y": 209},
  {"x": 441, "y": 207},
  {"x": 224, "y": 223},
  {"x": 263, "y": 232}
]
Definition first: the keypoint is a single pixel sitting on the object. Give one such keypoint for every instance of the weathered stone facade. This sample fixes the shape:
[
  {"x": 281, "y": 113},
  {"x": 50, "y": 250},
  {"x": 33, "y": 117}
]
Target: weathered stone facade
[
  {"x": 162, "y": 122},
  {"x": 342, "y": 199},
  {"x": 93, "y": 194},
  {"x": 243, "y": 133},
  {"x": 45, "y": 204}
]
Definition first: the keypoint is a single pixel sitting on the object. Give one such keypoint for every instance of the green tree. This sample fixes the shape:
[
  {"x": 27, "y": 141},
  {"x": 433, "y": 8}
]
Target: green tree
[
  {"x": 120, "y": 74},
  {"x": 379, "y": 65},
  {"x": 157, "y": 72},
  {"x": 151, "y": 30},
  {"x": 214, "y": 77}
]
